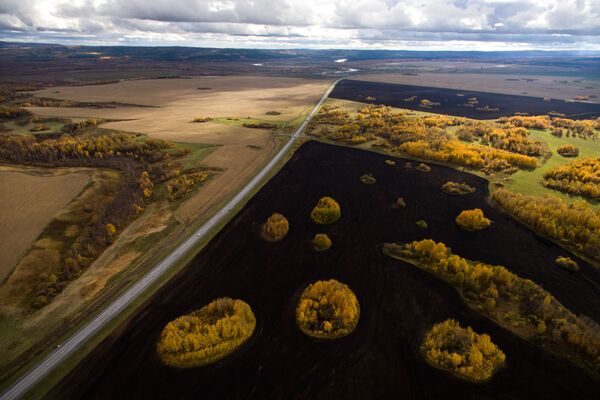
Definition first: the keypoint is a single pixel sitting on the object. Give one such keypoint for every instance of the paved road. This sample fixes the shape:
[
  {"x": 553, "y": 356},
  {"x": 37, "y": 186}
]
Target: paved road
[{"x": 85, "y": 333}]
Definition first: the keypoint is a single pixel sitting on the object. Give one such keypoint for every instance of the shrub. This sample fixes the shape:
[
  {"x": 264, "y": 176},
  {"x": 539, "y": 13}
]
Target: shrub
[
  {"x": 327, "y": 309},
  {"x": 568, "y": 150},
  {"x": 276, "y": 227},
  {"x": 567, "y": 263},
  {"x": 421, "y": 224},
  {"x": 457, "y": 189},
  {"x": 201, "y": 119},
  {"x": 321, "y": 242},
  {"x": 472, "y": 220},
  {"x": 470, "y": 355},
  {"x": 368, "y": 179},
  {"x": 391, "y": 163},
  {"x": 400, "y": 203},
  {"x": 206, "y": 335},
  {"x": 423, "y": 167},
  {"x": 327, "y": 211}
]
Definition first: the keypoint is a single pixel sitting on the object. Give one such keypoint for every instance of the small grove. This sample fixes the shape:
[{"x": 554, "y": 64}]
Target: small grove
[
  {"x": 472, "y": 220},
  {"x": 451, "y": 347},
  {"x": 578, "y": 177},
  {"x": 576, "y": 226},
  {"x": 327, "y": 309},
  {"x": 275, "y": 228},
  {"x": 517, "y": 304},
  {"x": 327, "y": 211},
  {"x": 206, "y": 335}
]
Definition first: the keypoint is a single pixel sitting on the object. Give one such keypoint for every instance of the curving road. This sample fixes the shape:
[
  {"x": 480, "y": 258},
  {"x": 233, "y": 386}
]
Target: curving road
[{"x": 59, "y": 354}]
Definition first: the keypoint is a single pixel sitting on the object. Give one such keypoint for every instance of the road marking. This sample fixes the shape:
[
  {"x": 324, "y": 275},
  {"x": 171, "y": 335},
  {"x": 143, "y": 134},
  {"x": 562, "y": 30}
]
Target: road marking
[{"x": 59, "y": 354}]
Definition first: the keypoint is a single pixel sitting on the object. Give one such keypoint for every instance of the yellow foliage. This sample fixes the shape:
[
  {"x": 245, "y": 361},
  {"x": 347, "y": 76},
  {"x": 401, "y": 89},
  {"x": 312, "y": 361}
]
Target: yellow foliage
[
  {"x": 206, "y": 335},
  {"x": 327, "y": 309},
  {"x": 327, "y": 211},
  {"x": 576, "y": 225},
  {"x": 472, "y": 220},
  {"x": 460, "y": 350},
  {"x": 111, "y": 230},
  {"x": 276, "y": 227},
  {"x": 581, "y": 177},
  {"x": 321, "y": 242}
]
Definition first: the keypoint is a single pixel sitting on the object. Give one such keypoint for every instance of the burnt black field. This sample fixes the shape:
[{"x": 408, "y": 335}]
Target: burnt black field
[
  {"x": 399, "y": 302},
  {"x": 452, "y": 102}
]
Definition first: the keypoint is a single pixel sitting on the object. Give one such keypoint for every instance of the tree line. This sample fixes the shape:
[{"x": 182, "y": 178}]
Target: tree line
[
  {"x": 517, "y": 304},
  {"x": 576, "y": 226},
  {"x": 579, "y": 177},
  {"x": 141, "y": 161}
]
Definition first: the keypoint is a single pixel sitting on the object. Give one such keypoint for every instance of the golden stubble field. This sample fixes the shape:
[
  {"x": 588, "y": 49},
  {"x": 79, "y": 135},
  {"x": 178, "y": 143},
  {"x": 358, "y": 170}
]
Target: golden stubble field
[
  {"x": 171, "y": 105},
  {"x": 27, "y": 203}
]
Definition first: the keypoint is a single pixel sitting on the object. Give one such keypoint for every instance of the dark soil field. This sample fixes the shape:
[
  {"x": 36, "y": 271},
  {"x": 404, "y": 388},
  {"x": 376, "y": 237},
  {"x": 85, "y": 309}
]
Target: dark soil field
[
  {"x": 452, "y": 102},
  {"x": 399, "y": 302}
]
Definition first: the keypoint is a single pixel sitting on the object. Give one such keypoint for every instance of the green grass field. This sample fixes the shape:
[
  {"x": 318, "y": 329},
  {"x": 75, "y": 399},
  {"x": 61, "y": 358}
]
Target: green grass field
[
  {"x": 530, "y": 182},
  {"x": 199, "y": 152}
]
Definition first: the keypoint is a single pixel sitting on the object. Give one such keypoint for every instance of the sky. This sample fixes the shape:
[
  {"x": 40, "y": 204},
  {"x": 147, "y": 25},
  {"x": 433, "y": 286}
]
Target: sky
[{"x": 344, "y": 24}]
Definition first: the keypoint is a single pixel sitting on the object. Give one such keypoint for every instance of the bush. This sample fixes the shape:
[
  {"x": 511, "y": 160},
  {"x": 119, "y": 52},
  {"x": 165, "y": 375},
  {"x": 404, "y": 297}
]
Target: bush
[
  {"x": 421, "y": 224},
  {"x": 400, "y": 203},
  {"x": 567, "y": 263},
  {"x": 327, "y": 309},
  {"x": 457, "y": 189},
  {"x": 276, "y": 227},
  {"x": 391, "y": 163},
  {"x": 327, "y": 211},
  {"x": 423, "y": 167},
  {"x": 472, "y": 220},
  {"x": 321, "y": 242},
  {"x": 568, "y": 150},
  {"x": 201, "y": 119},
  {"x": 206, "y": 335},
  {"x": 368, "y": 179},
  {"x": 449, "y": 346}
]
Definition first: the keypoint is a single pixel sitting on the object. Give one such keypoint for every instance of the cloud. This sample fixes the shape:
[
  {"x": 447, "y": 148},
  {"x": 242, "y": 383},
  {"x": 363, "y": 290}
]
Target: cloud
[{"x": 307, "y": 23}]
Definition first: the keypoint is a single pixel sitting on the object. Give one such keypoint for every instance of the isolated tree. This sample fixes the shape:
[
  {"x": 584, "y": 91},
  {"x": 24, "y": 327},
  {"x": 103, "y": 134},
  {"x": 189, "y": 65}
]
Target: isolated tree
[
  {"x": 472, "y": 220},
  {"x": 276, "y": 227},
  {"x": 327, "y": 211}
]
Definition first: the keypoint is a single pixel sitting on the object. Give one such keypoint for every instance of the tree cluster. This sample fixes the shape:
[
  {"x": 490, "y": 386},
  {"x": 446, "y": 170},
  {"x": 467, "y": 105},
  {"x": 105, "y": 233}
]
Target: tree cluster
[
  {"x": 182, "y": 185},
  {"x": 9, "y": 113},
  {"x": 577, "y": 225},
  {"x": 140, "y": 162},
  {"x": 584, "y": 129},
  {"x": 327, "y": 211},
  {"x": 327, "y": 309},
  {"x": 503, "y": 146},
  {"x": 460, "y": 350},
  {"x": 206, "y": 335},
  {"x": 568, "y": 150},
  {"x": 457, "y": 189},
  {"x": 579, "y": 177},
  {"x": 275, "y": 228},
  {"x": 472, "y": 220},
  {"x": 473, "y": 156},
  {"x": 517, "y": 304}
]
